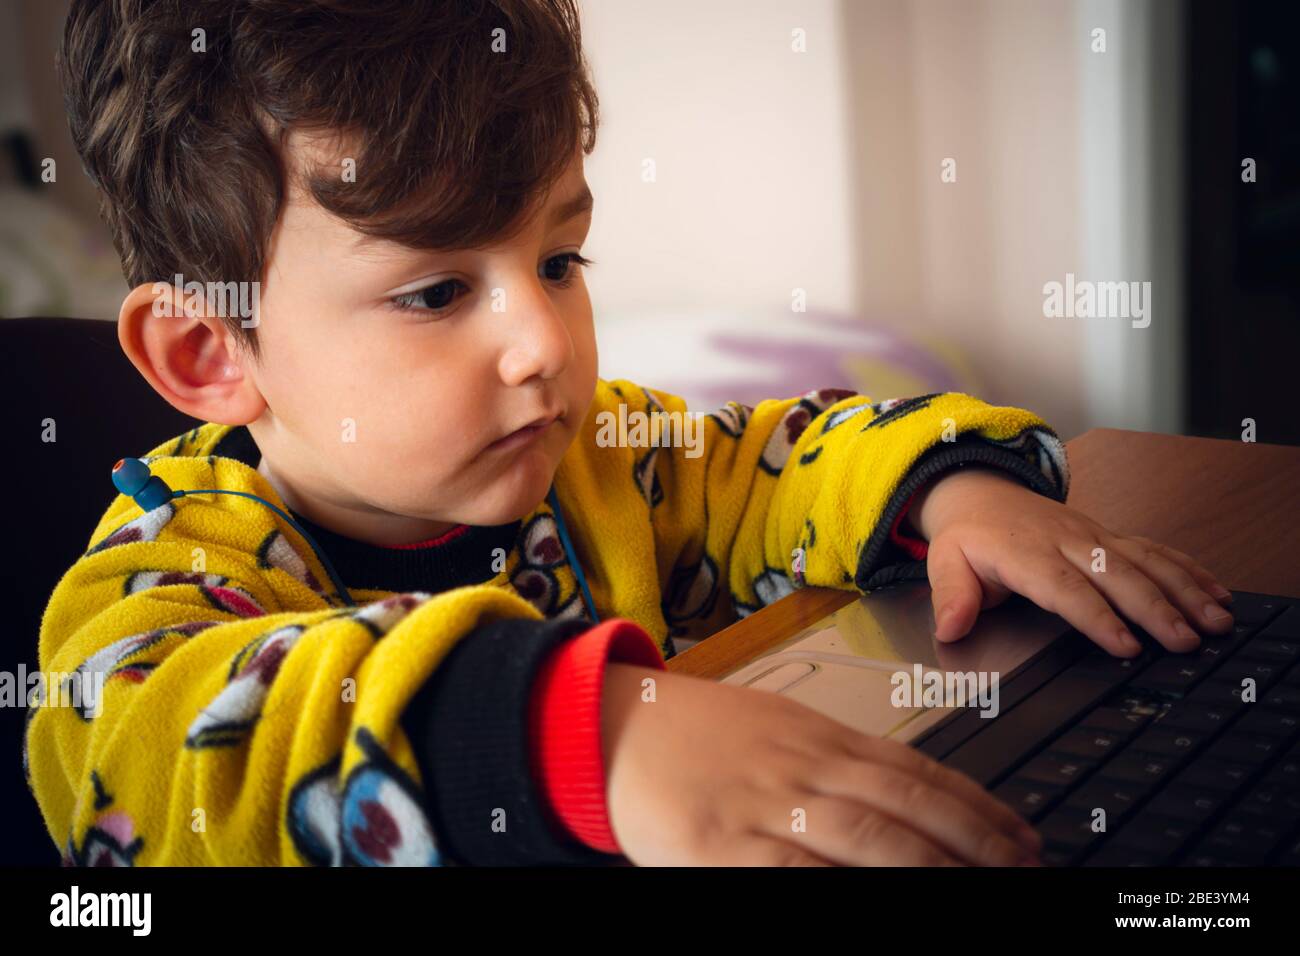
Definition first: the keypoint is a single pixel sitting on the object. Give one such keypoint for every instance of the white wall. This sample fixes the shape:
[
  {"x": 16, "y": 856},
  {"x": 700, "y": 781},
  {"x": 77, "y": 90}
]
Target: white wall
[
  {"x": 750, "y": 144},
  {"x": 822, "y": 170}
]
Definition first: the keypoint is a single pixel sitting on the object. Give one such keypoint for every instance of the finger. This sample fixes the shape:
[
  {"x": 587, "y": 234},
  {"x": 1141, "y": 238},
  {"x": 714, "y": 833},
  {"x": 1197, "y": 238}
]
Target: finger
[
  {"x": 891, "y": 753},
  {"x": 854, "y": 795},
  {"x": 759, "y": 849},
  {"x": 1202, "y": 576},
  {"x": 1178, "y": 585},
  {"x": 955, "y": 590},
  {"x": 1130, "y": 588},
  {"x": 852, "y": 833},
  {"x": 1053, "y": 583}
]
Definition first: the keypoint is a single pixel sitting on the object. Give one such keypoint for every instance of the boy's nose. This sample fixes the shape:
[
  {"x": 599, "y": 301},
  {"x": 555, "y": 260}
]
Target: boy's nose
[{"x": 538, "y": 345}]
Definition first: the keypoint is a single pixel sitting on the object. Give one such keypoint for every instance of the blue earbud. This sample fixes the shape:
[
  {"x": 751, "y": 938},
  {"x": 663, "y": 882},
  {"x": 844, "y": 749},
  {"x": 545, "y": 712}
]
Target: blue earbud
[{"x": 132, "y": 477}]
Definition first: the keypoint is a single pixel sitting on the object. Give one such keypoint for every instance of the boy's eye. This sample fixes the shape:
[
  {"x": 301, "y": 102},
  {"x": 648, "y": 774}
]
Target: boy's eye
[
  {"x": 439, "y": 296},
  {"x": 433, "y": 298},
  {"x": 561, "y": 262}
]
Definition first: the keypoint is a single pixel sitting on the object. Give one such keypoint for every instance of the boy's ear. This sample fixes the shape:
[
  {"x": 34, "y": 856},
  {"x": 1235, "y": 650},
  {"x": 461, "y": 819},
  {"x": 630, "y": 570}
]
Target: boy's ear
[{"x": 190, "y": 358}]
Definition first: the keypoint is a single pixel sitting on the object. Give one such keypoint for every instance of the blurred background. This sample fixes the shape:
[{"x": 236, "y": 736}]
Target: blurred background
[{"x": 793, "y": 194}]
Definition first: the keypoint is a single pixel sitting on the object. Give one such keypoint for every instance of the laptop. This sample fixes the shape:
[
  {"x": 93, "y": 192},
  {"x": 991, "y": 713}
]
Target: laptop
[{"x": 1160, "y": 760}]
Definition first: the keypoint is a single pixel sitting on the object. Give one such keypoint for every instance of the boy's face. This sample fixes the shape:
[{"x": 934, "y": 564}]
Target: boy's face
[{"x": 391, "y": 375}]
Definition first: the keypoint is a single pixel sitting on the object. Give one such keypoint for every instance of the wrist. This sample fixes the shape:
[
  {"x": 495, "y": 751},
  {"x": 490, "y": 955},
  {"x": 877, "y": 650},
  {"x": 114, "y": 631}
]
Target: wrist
[
  {"x": 620, "y": 700},
  {"x": 951, "y": 495}
]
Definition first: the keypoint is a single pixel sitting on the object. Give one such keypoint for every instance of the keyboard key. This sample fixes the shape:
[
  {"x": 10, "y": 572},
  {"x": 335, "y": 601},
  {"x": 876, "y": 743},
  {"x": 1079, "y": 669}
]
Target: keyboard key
[
  {"x": 1118, "y": 798},
  {"x": 1187, "y": 803},
  {"x": 1175, "y": 673},
  {"x": 1134, "y": 767},
  {"x": 1030, "y": 800},
  {"x": 1198, "y": 717},
  {"x": 1215, "y": 691},
  {"x": 1285, "y": 775},
  {"x": 1053, "y": 769},
  {"x": 1121, "y": 720},
  {"x": 1066, "y": 828},
  {"x": 1271, "y": 803},
  {"x": 1244, "y": 748},
  {"x": 1282, "y": 651},
  {"x": 1088, "y": 743},
  {"x": 1242, "y": 665},
  {"x": 1239, "y": 634},
  {"x": 1268, "y": 722},
  {"x": 1217, "y": 774},
  {"x": 1255, "y": 609},
  {"x": 1159, "y": 835},
  {"x": 1286, "y": 627},
  {"x": 1213, "y": 651},
  {"x": 1244, "y": 837},
  {"x": 1282, "y": 697},
  {"x": 1168, "y": 742},
  {"x": 1097, "y": 664}
]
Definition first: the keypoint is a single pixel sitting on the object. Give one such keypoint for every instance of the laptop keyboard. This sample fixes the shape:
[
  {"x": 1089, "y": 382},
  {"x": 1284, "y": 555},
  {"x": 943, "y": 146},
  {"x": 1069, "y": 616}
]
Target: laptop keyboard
[{"x": 1187, "y": 772}]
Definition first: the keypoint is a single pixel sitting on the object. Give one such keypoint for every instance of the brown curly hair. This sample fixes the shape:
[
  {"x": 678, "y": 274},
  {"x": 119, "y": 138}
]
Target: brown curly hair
[{"x": 461, "y": 114}]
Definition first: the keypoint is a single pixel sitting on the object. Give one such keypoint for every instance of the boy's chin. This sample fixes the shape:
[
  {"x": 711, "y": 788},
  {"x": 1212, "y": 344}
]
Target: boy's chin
[{"x": 515, "y": 496}]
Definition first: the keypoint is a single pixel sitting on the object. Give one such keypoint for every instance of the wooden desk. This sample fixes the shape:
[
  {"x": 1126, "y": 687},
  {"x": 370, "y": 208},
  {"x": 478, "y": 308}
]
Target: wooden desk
[{"x": 1233, "y": 506}]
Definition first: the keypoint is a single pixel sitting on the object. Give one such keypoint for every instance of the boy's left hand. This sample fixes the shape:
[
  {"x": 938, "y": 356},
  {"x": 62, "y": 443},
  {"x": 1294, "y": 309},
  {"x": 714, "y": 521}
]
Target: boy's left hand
[{"x": 990, "y": 535}]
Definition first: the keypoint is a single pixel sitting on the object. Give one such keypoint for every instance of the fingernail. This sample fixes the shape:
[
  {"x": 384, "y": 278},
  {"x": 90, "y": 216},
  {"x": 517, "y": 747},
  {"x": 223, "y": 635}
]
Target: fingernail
[
  {"x": 1216, "y": 613},
  {"x": 1185, "y": 632},
  {"x": 1220, "y": 592},
  {"x": 1127, "y": 641}
]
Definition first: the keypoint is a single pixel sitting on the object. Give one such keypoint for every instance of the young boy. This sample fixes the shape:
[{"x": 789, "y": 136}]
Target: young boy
[{"x": 401, "y": 186}]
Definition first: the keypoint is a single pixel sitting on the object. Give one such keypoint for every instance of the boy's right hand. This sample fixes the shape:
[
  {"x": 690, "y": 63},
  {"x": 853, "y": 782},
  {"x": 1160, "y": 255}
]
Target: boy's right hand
[{"x": 711, "y": 774}]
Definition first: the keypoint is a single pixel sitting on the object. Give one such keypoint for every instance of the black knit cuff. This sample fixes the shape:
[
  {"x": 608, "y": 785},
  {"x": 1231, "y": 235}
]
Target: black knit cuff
[
  {"x": 468, "y": 725},
  {"x": 874, "y": 568}
]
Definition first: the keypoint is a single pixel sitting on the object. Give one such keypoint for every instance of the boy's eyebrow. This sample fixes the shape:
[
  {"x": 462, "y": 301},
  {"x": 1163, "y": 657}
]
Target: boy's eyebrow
[
  {"x": 581, "y": 203},
  {"x": 576, "y": 206}
]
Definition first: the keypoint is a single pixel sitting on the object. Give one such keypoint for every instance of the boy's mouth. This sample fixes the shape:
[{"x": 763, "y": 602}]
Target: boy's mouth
[{"x": 526, "y": 434}]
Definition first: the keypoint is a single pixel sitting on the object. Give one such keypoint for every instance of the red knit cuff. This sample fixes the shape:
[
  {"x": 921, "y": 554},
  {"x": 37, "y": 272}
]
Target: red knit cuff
[
  {"x": 915, "y": 546},
  {"x": 564, "y": 725}
]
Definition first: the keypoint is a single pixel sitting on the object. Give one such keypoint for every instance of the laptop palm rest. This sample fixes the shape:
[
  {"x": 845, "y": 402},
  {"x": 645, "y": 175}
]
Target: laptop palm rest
[{"x": 844, "y": 665}]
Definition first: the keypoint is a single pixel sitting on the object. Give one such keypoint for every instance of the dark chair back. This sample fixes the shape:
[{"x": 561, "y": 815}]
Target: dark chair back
[{"x": 67, "y": 378}]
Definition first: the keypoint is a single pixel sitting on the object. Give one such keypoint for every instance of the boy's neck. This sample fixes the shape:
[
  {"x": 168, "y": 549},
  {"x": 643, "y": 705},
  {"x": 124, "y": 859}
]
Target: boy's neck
[{"x": 370, "y": 527}]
